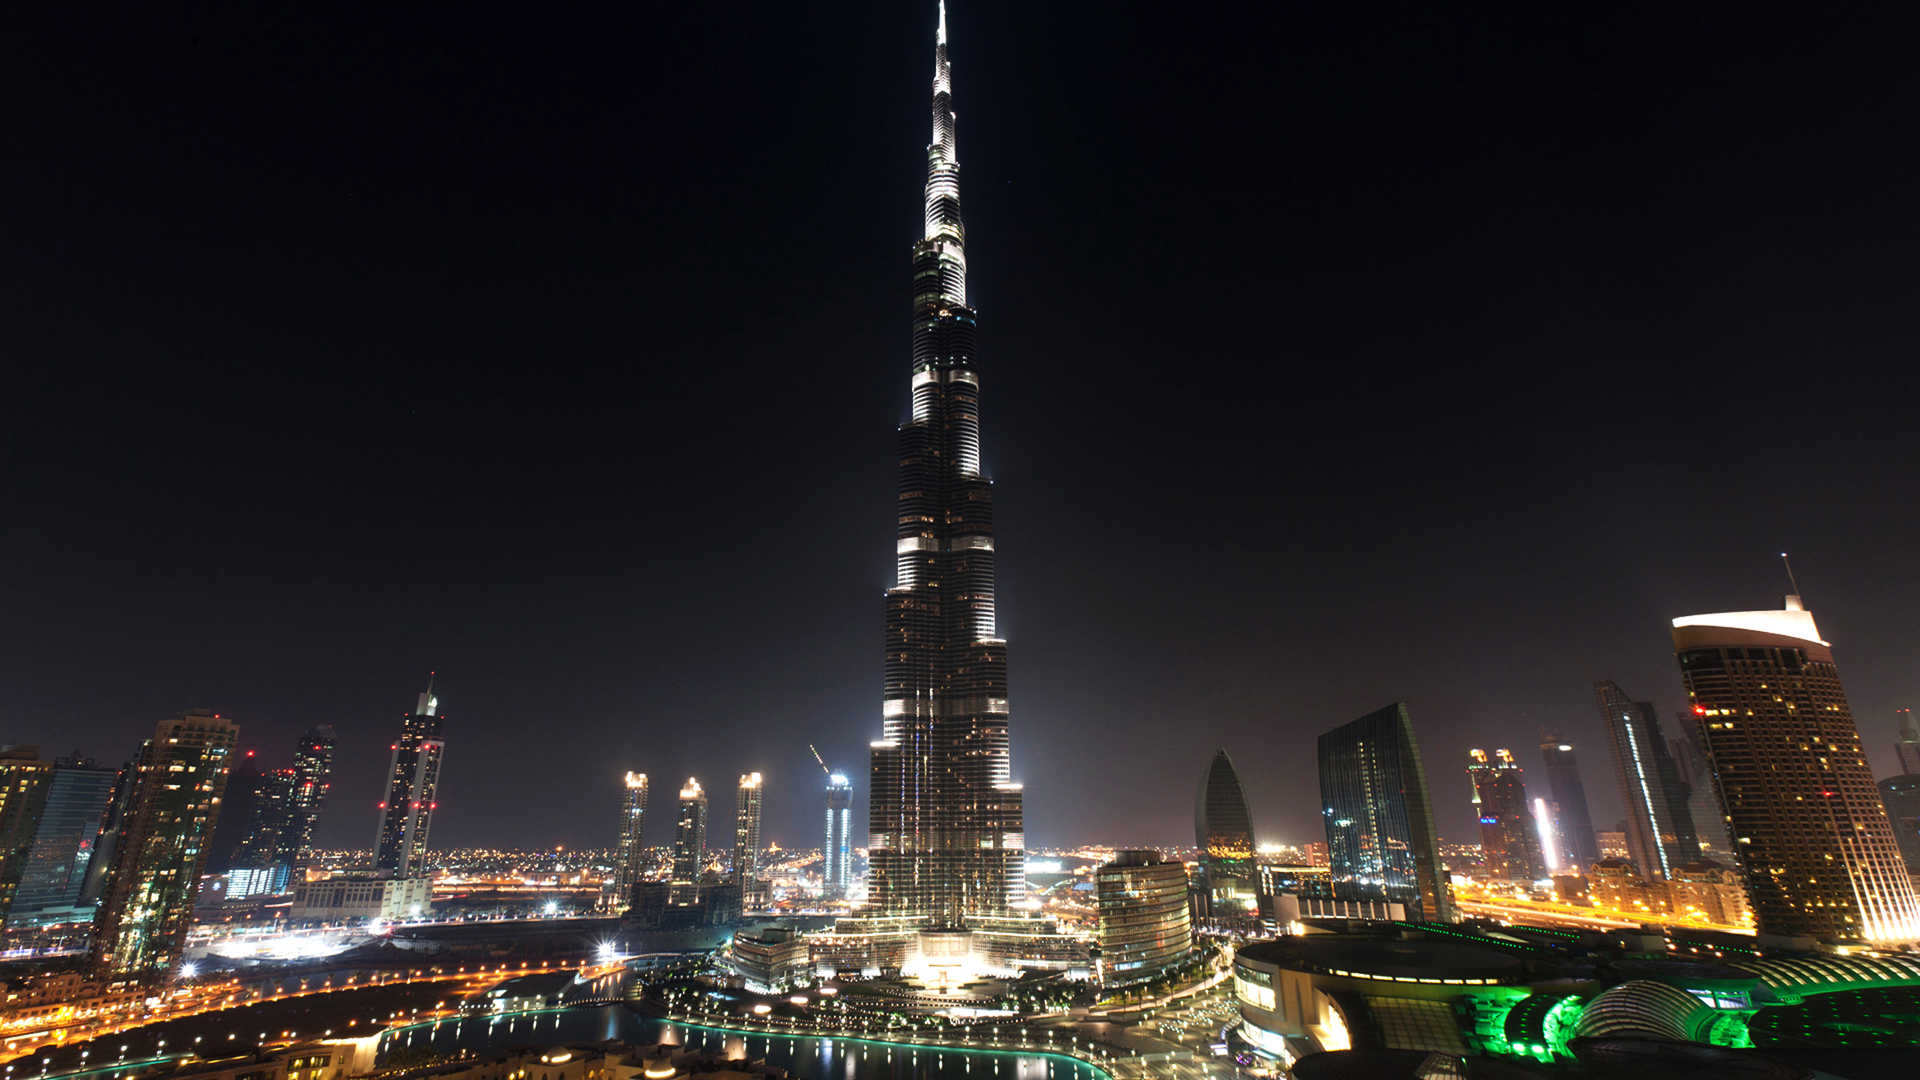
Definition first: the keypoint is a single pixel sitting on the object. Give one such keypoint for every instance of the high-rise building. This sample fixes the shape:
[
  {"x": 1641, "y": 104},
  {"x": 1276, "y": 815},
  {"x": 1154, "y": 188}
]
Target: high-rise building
[
  {"x": 265, "y": 843},
  {"x": 946, "y": 842},
  {"x": 746, "y": 830},
  {"x": 1815, "y": 844},
  {"x": 1381, "y": 841},
  {"x": 1223, "y": 833},
  {"x": 1909, "y": 745},
  {"x": 1703, "y": 795},
  {"x": 67, "y": 838},
  {"x": 267, "y": 820},
  {"x": 413, "y": 781},
  {"x": 141, "y": 928},
  {"x": 690, "y": 835},
  {"x": 1579, "y": 848},
  {"x": 312, "y": 770},
  {"x": 112, "y": 823},
  {"x": 1901, "y": 796},
  {"x": 632, "y": 857},
  {"x": 1144, "y": 923},
  {"x": 836, "y": 869},
  {"x": 1509, "y": 836},
  {"x": 1660, "y": 832},
  {"x": 24, "y": 784},
  {"x": 746, "y": 844},
  {"x": 238, "y": 814}
]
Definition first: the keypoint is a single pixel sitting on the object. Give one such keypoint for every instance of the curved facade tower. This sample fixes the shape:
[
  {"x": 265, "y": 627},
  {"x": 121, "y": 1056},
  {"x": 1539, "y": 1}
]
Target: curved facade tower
[{"x": 946, "y": 841}]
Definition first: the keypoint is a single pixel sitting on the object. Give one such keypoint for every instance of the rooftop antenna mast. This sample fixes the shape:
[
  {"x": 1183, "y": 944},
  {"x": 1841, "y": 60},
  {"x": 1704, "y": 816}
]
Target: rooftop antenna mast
[
  {"x": 1790, "y": 581},
  {"x": 821, "y": 760}
]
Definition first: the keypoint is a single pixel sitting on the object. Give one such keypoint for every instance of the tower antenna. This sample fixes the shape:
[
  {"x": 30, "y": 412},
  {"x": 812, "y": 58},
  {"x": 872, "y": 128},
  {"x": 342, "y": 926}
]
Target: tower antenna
[
  {"x": 821, "y": 760},
  {"x": 1790, "y": 581}
]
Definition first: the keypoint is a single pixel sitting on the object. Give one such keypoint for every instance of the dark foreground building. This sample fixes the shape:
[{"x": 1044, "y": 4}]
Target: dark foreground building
[
  {"x": 1379, "y": 816},
  {"x": 1819, "y": 854}
]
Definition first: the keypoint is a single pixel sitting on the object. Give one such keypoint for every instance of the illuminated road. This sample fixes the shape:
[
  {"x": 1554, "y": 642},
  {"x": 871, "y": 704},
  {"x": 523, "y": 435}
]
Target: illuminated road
[
  {"x": 192, "y": 1001},
  {"x": 1554, "y": 915}
]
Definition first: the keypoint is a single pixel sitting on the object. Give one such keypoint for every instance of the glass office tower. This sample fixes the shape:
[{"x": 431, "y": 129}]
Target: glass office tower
[
  {"x": 68, "y": 835},
  {"x": 837, "y": 855},
  {"x": 1379, "y": 816},
  {"x": 1509, "y": 836},
  {"x": 1223, "y": 833},
  {"x": 1581, "y": 849},
  {"x": 1660, "y": 834},
  {"x": 1813, "y": 839},
  {"x": 25, "y": 781}
]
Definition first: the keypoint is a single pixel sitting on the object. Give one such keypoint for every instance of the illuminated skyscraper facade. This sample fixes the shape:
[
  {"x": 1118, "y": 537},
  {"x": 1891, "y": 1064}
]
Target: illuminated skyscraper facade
[
  {"x": 1807, "y": 822},
  {"x": 690, "y": 835},
  {"x": 631, "y": 858},
  {"x": 1660, "y": 833},
  {"x": 413, "y": 781},
  {"x": 746, "y": 830},
  {"x": 1379, "y": 816},
  {"x": 754, "y": 895},
  {"x": 312, "y": 776},
  {"x": 1509, "y": 835},
  {"x": 1223, "y": 833},
  {"x": 141, "y": 928},
  {"x": 837, "y": 853},
  {"x": 1579, "y": 848},
  {"x": 945, "y": 831}
]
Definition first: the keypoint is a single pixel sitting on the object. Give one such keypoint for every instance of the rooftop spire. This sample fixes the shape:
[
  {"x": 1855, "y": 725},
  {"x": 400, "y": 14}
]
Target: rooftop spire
[{"x": 942, "y": 39}]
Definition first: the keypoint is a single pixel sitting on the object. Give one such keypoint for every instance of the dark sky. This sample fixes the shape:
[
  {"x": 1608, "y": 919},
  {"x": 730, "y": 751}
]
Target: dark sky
[{"x": 1334, "y": 354}]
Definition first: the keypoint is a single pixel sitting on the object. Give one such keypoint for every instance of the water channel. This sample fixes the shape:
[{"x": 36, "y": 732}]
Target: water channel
[
  {"x": 246, "y": 1028},
  {"x": 811, "y": 1057}
]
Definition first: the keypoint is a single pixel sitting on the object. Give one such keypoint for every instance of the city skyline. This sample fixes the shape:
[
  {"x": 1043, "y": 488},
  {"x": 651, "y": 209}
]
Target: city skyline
[{"x": 397, "y": 491}]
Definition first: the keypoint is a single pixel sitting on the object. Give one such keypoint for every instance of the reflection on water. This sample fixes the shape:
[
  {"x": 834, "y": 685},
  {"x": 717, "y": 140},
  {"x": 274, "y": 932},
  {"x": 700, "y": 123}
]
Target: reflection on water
[{"x": 803, "y": 1056}]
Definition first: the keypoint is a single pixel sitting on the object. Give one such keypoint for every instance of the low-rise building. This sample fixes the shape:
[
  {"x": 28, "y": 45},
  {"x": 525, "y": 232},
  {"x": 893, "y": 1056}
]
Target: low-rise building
[
  {"x": 1711, "y": 890},
  {"x": 770, "y": 958},
  {"x": 1615, "y": 884},
  {"x": 351, "y": 897}
]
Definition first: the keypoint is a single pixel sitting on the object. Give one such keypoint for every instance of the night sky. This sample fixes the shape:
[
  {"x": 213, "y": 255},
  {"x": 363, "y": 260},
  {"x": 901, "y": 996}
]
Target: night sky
[{"x": 1334, "y": 354}]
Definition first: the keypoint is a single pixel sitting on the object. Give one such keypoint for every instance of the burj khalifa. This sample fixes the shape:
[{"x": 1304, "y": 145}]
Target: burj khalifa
[
  {"x": 945, "y": 837},
  {"x": 946, "y": 843}
]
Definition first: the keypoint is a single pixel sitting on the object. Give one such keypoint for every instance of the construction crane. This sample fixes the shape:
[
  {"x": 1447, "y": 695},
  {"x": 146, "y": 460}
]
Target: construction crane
[{"x": 821, "y": 760}]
